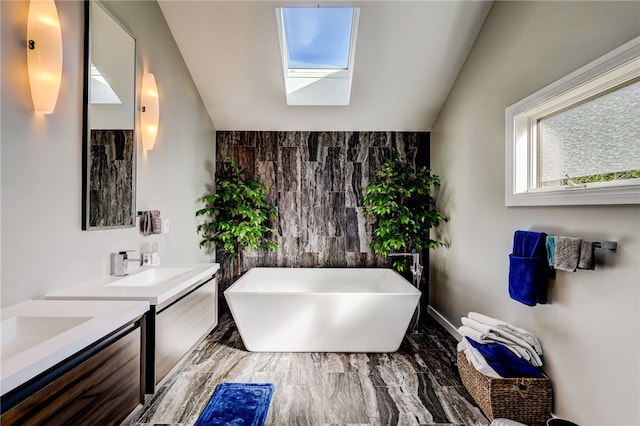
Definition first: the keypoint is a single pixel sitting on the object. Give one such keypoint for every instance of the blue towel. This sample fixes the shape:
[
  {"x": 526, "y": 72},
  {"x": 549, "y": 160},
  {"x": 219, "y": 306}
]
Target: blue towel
[
  {"x": 528, "y": 268},
  {"x": 526, "y": 279},
  {"x": 504, "y": 362},
  {"x": 530, "y": 244}
]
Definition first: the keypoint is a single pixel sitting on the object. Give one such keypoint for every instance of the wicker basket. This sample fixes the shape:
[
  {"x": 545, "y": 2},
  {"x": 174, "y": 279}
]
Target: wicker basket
[{"x": 525, "y": 400}]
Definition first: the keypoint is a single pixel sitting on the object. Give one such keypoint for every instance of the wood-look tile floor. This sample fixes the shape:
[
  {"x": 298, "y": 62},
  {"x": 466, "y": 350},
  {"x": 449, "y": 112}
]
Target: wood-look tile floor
[{"x": 417, "y": 385}]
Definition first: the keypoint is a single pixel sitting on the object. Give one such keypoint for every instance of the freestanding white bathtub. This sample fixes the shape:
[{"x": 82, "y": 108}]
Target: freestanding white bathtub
[{"x": 322, "y": 309}]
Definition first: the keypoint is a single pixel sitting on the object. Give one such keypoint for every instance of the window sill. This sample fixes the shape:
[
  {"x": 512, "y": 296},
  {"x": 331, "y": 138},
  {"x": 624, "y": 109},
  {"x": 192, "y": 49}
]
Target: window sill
[{"x": 620, "y": 194}]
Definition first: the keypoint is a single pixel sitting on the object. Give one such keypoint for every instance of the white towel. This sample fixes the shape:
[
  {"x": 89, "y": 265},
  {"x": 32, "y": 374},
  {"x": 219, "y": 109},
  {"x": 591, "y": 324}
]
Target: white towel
[
  {"x": 508, "y": 328},
  {"x": 515, "y": 344},
  {"x": 473, "y": 334},
  {"x": 476, "y": 359},
  {"x": 517, "y": 349},
  {"x": 481, "y": 338},
  {"x": 505, "y": 422},
  {"x": 493, "y": 332}
]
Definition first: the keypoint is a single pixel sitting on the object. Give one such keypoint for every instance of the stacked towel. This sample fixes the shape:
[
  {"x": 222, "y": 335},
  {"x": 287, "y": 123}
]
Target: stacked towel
[
  {"x": 504, "y": 362},
  {"x": 511, "y": 329},
  {"x": 529, "y": 268},
  {"x": 514, "y": 343},
  {"x": 507, "y": 350}
]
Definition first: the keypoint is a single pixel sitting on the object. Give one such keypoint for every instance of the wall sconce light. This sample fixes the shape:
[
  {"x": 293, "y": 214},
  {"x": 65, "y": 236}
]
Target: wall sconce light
[
  {"x": 150, "y": 115},
  {"x": 44, "y": 54}
]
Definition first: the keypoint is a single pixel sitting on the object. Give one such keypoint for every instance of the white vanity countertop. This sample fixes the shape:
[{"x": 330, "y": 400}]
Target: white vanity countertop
[
  {"x": 38, "y": 334},
  {"x": 154, "y": 284}
]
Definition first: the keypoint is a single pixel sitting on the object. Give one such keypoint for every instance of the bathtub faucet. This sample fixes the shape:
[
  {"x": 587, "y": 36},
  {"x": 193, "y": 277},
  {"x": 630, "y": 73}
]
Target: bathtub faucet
[
  {"x": 416, "y": 268},
  {"x": 416, "y": 272}
]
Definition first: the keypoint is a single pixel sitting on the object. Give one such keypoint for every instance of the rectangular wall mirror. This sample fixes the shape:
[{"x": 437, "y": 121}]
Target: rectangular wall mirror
[{"x": 109, "y": 145}]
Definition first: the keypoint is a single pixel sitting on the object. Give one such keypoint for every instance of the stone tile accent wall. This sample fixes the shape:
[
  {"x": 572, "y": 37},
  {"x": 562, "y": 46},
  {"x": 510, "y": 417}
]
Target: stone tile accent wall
[
  {"x": 111, "y": 181},
  {"x": 318, "y": 182}
]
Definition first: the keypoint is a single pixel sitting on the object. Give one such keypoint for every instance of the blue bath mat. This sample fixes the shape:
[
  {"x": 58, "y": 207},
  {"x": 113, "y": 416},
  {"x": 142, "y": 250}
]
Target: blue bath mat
[{"x": 245, "y": 404}]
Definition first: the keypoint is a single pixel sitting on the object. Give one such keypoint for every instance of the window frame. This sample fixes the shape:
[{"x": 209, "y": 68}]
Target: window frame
[
  {"x": 521, "y": 120},
  {"x": 317, "y": 86}
]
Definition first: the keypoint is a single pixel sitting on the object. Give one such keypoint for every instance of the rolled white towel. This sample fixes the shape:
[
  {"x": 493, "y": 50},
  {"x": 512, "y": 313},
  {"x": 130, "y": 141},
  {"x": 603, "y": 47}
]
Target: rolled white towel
[{"x": 509, "y": 328}]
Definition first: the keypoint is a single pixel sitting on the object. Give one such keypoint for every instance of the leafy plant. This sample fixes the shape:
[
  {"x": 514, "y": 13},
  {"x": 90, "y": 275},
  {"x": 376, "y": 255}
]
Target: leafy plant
[
  {"x": 606, "y": 177},
  {"x": 402, "y": 202},
  {"x": 238, "y": 214}
]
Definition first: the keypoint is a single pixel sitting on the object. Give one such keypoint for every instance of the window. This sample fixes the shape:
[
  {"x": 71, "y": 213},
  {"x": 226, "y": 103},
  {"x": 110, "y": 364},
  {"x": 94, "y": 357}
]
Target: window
[
  {"x": 317, "y": 38},
  {"x": 595, "y": 141},
  {"x": 317, "y": 48},
  {"x": 577, "y": 141}
]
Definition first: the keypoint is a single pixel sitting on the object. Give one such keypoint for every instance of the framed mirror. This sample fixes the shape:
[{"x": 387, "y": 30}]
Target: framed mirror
[{"x": 109, "y": 134}]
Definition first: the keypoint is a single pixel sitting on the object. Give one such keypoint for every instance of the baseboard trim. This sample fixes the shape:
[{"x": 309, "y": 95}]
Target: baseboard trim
[{"x": 444, "y": 322}]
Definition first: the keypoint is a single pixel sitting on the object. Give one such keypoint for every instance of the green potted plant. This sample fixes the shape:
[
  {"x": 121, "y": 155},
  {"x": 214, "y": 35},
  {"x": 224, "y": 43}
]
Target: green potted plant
[
  {"x": 401, "y": 199},
  {"x": 238, "y": 215}
]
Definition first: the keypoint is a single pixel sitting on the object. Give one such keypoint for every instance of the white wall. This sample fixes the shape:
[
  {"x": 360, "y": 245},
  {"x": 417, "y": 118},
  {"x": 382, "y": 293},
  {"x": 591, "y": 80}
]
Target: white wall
[
  {"x": 590, "y": 331},
  {"x": 43, "y": 247}
]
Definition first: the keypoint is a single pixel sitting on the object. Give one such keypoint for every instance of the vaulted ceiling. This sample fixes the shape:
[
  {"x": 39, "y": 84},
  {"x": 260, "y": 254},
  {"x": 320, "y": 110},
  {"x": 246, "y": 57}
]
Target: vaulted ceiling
[{"x": 408, "y": 55}]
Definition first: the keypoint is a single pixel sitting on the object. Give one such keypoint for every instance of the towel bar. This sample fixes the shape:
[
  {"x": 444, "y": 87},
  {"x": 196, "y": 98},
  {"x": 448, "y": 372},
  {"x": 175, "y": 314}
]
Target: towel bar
[{"x": 609, "y": 245}]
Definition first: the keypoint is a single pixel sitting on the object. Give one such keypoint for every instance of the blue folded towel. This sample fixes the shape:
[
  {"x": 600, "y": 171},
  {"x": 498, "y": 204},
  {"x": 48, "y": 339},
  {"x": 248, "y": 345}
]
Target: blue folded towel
[
  {"x": 526, "y": 279},
  {"x": 504, "y": 362},
  {"x": 528, "y": 268}
]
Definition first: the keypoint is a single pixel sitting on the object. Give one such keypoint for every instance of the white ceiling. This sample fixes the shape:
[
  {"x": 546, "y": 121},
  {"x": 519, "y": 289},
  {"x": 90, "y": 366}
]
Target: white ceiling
[{"x": 408, "y": 55}]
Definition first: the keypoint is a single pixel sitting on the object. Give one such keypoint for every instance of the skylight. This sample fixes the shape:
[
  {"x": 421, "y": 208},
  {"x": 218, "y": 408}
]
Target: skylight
[
  {"x": 101, "y": 90},
  {"x": 318, "y": 37},
  {"x": 317, "y": 48}
]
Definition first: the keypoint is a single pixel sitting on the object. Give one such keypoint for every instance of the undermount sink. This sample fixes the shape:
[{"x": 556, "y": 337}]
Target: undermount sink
[
  {"x": 149, "y": 277},
  {"x": 20, "y": 333}
]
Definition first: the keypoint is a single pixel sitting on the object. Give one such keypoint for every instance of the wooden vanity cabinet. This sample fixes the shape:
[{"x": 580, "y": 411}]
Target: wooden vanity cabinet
[
  {"x": 176, "y": 327},
  {"x": 100, "y": 385}
]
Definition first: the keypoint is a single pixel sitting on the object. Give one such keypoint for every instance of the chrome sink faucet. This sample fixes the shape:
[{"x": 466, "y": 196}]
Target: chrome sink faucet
[{"x": 120, "y": 262}]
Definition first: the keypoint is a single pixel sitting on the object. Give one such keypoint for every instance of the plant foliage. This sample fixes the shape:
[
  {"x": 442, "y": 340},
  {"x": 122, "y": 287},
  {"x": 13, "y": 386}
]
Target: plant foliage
[
  {"x": 402, "y": 202},
  {"x": 238, "y": 214}
]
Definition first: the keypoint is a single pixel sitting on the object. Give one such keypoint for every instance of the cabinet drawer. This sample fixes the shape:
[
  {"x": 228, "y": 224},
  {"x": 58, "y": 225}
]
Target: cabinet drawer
[
  {"x": 104, "y": 389},
  {"x": 182, "y": 325}
]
